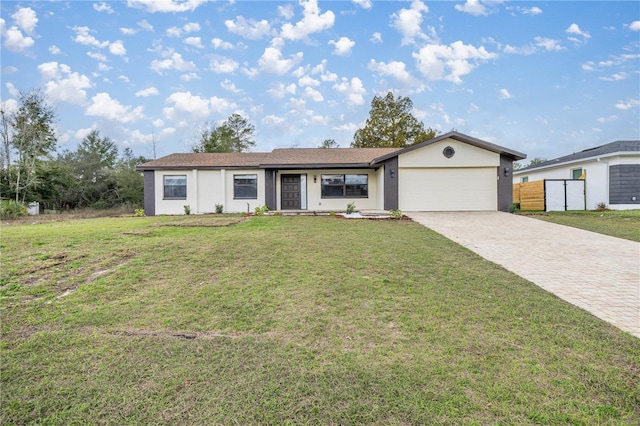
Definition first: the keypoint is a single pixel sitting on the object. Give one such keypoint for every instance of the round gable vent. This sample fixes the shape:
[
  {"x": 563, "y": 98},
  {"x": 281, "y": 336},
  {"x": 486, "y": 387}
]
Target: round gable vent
[{"x": 448, "y": 152}]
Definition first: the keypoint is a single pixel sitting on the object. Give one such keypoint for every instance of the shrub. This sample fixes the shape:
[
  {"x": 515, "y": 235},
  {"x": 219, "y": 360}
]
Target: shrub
[
  {"x": 514, "y": 208},
  {"x": 260, "y": 210},
  {"x": 395, "y": 213},
  {"x": 187, "y": 209},
  {"x": 100, "y": 204},
  {"x": 277, "y": 213},
  {"x": 10, "y": 209},
  {"x": 601, "y": 207},
  {"x": 219, "y": 208},
  {"x": 138, "y": 212},
  {"x": 351, "y": 207}
]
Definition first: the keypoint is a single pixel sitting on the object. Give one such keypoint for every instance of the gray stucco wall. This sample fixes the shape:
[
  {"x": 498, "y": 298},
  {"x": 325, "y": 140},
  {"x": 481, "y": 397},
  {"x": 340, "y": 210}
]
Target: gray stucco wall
[
  {"x": 270, "y": 189},
  {"x": 505, "y": 183},
  {"x": 391, "y": 183},
  {"x": 624, "y": 184},
  {"x": 149, "y": 193}
]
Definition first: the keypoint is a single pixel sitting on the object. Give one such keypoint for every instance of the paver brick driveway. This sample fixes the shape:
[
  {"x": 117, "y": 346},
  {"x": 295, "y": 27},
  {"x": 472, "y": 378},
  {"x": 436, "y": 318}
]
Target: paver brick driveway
[{"x": 595, "y": 272}]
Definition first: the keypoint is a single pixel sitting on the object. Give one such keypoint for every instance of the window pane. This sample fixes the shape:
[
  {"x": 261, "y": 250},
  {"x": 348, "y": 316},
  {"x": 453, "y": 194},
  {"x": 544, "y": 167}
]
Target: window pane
[
  {"x": 175, "y": 187},
  {"x": 332, "y": 179},
  {"x": 576, "y": 173},
  {"x": 245, "y": 186},
  {"x": 356, "y": 179},
  {"x": 332, "y": 190}
]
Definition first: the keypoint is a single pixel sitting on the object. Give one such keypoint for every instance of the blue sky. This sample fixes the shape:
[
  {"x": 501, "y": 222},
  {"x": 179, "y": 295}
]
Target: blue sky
[{"x": 544, "y": 78}]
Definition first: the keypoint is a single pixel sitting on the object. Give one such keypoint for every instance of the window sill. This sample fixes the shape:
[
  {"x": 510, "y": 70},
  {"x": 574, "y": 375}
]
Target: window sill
[{"x": 175, "y": 199}]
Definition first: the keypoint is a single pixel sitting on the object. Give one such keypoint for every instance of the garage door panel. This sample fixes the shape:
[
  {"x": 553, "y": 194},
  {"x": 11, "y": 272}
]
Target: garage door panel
[{"x": 455, "y": 189}]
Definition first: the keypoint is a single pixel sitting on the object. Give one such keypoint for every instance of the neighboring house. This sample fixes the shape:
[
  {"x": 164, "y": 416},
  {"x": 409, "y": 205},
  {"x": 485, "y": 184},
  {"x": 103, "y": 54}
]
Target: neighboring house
[
  {"x": 611, "y": 173},
  {"x": 450, "y": 172}
]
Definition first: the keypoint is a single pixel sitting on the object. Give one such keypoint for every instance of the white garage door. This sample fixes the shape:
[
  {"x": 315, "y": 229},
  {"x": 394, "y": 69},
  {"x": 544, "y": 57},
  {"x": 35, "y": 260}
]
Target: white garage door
[{"x": 455, "y": 189}]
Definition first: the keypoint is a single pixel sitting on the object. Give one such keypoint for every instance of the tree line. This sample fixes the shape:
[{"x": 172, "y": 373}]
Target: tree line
[{"x": 95, "y": 175}]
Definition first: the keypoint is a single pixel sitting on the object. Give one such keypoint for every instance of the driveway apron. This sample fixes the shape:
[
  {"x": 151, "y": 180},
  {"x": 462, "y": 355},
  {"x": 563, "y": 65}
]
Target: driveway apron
[{"x": 595, "y": 272}]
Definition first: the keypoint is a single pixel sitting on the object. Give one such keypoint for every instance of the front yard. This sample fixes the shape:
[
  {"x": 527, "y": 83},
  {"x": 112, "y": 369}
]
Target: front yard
[
  {"x": 291, "y": 320},
  {"x": 617, "y": 223}
]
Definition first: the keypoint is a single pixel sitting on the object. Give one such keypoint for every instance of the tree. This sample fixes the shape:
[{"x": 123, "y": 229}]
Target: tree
[
  {"x": 94, "y": 168},
  {"x": 329, "y": 143},
  {"x": 391, "y": 124},
  {"x": 32, "y": 137},
  {"x": 234, "y": 135},
  {"x": 130, "y": 183},
  {"x": 534, "y": 162}
]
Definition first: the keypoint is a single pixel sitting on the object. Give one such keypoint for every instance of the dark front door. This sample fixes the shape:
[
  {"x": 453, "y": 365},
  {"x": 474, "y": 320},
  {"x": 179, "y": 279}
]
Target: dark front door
[{"x": 291, "y": 199}]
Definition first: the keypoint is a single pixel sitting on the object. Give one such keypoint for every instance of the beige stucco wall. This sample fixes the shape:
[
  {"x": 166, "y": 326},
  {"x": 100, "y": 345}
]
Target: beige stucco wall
[
  {"x": 205, "y": 189},
  {"x": 465, "y": 156},
  {"x": 314, "y": 194}
]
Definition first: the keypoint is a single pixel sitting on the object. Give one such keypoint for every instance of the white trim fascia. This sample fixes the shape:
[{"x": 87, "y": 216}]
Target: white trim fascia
[{"x": 581, "y": 160}]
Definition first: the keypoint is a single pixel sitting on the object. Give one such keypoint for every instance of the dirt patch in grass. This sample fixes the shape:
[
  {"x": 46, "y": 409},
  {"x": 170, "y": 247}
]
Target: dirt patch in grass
[{"x": 204, "y": 222}]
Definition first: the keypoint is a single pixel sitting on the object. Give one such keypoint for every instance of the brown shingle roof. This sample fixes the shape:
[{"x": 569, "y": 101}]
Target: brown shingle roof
[
  {"x": 278, "y": 157},
  {"x": 206, "y": 160},
  {"x": 325, "y": 156}
]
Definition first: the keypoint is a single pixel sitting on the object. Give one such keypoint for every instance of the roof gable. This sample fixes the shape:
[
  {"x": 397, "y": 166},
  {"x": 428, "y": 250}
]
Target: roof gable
[{"x": 461, "y": 138}]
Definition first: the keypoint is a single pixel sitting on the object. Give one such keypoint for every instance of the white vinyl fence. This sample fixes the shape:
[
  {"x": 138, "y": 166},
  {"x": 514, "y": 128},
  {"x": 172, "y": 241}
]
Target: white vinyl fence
[{"x": 564, "y": 194}]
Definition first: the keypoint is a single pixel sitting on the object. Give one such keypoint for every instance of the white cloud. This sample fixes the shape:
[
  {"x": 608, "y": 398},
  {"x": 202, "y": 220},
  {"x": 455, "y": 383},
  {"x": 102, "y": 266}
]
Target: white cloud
[
  {"x": 343, "y": 46},
  {"x": 634, "y": 26},
  {"x": 394, "y": 69},
  {"x": 221, "y": 44},
  {"x": 286, "y": 11},
  {"x": 272, "y": 61},
  {"x": 306, "y": 80},
  {"x": 531, "y": 11},
  {"x": 145, "y": 25},
  {"x": 279, "y": 90},
  {"x": 408, "y": 22},
  {"x": 229, "y": 86},
  {"x": 189, "y": 76},
  {"x": 166, "y": 6},
  {"x": 222, "y": 65},
  {"x": 472, "y": 7},
  {"x": 608, "y": 119},
  {"x": 117, "y": 48},
  {"x": 251, "y": 29},
  {"x": 313, "y": 94},
  {"x": 191, "y": 27},
  {"x": 194, "y": 41},
  {"x": 175, "y": 62},
  {"x": 365, "y": 4},
  {"x": 376, "y": 38},
  {"x": 352, "y": 89},
  {"x": 548, "y": 44},
  {"x": 103, "y": 106},
  {"x": 575, "y": 30},
  {"x": 84, "y": 37},
  {"x": 504, "y": 94},
  {"x": 13, "y": 91},
  {"x": 97, "y": 56},
  {"x": 103, "y": 7},
  {"x": 631, "y": 103},
  {"x": 196, "y": 108},
  {"x": 174, "y": 32},
  {"x": 522, "y": 50},
  {"x": 54, "y": 50},
  {"x": 62, "y": 85},
  {"x": 441, "y": 62},
  {"x": 616, "y": 77},
  {"x": 150, "y": 91},
  {"x": 128, "y": 31},
  {"x": 312, "y": 22},
  {"x": 14, "y": 40},
  {"x": 26, "y": 19}
]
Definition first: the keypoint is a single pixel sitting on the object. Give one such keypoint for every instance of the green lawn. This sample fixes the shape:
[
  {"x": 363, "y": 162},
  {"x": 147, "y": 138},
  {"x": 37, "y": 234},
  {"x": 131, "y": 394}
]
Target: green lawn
[
  {"x": 291, "y": 320},
  {"x": 622, "y": 224}
]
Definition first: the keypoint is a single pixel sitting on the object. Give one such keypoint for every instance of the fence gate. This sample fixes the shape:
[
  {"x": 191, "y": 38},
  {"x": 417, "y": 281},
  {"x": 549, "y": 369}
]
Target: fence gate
[{"x": 564, "y": 194}]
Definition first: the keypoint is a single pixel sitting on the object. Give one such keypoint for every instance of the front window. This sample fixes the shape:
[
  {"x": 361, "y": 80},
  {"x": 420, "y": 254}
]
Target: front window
[
  {"x": 175, "y": 187},
  {"x": 524, "y": 179},
  {"x": 345, "y": 186},
  {"x": 245, "y": 186}
]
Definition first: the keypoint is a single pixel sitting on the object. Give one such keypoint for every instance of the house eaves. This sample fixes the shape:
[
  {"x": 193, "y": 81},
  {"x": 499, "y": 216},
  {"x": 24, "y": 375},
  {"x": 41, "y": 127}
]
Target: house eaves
[{"x": 613, "y": 149}]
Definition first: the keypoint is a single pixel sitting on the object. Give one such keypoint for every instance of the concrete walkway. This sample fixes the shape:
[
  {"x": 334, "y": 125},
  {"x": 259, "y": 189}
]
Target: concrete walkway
[{"x": 595, "y": 272}]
